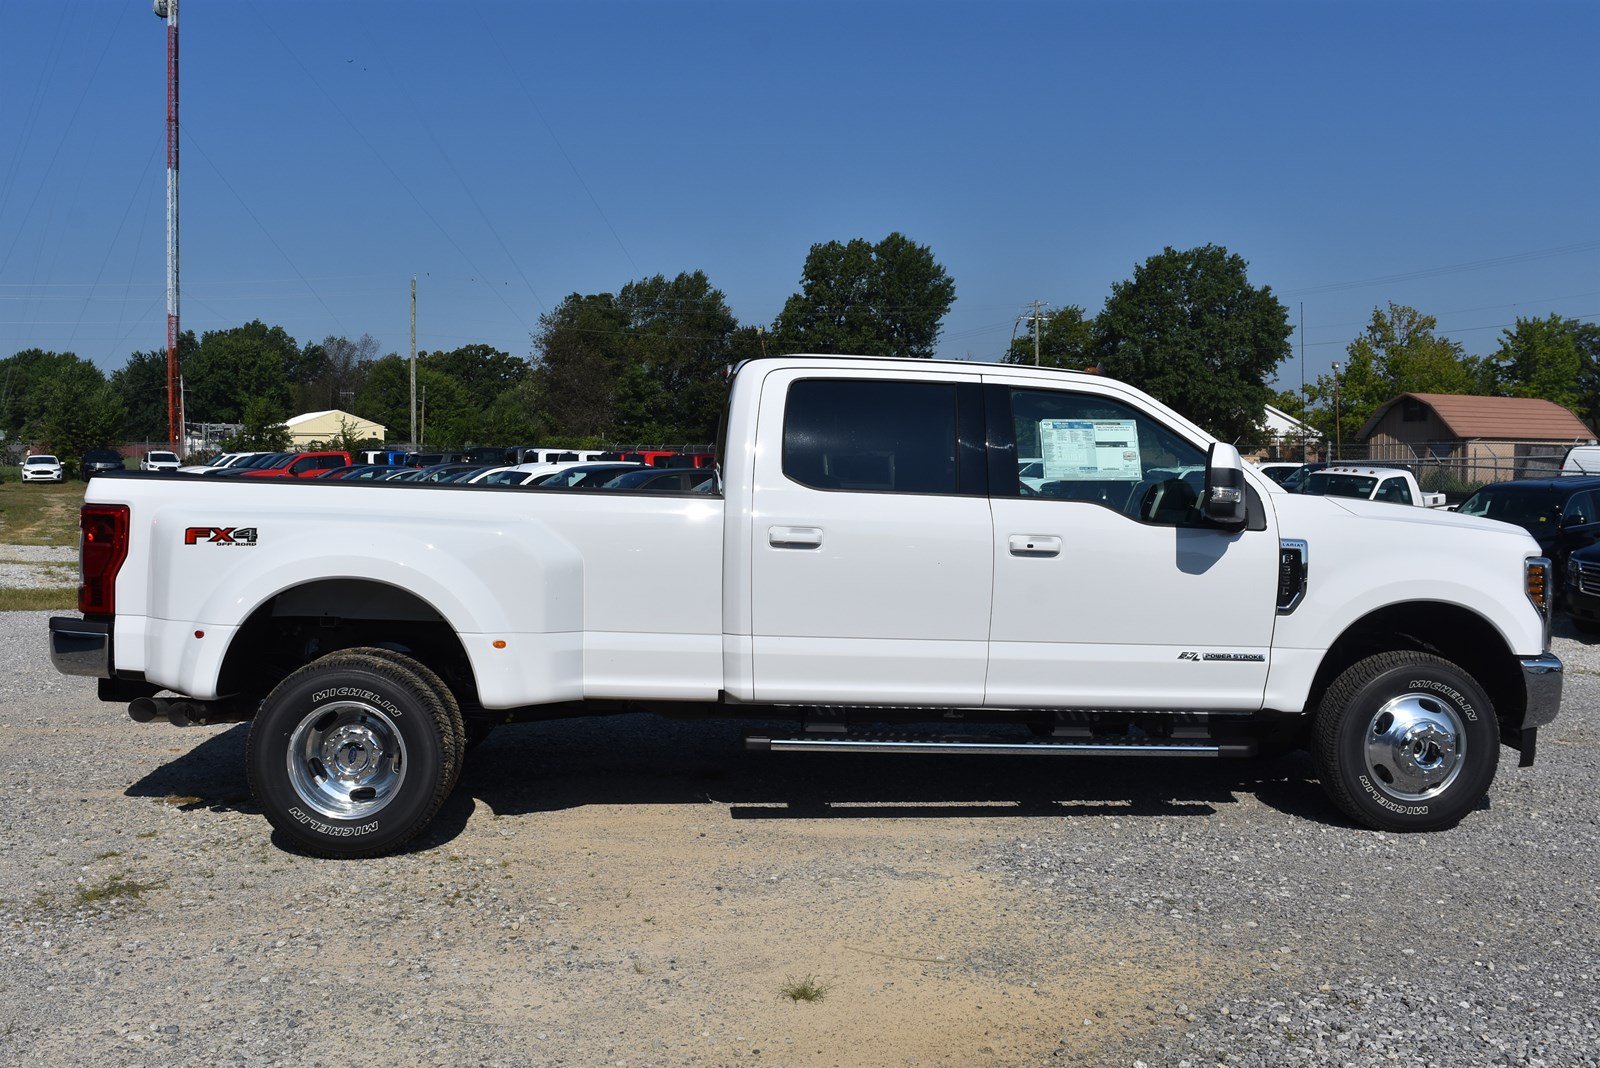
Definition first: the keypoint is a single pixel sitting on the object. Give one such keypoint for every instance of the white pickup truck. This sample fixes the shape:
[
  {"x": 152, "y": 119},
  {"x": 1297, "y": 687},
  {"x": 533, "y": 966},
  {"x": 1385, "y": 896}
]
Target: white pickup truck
[
  {"x": 873, "y": 571},
  {"x": 1392, "y": 485}
]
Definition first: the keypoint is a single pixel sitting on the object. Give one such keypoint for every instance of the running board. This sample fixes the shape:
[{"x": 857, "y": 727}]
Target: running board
[{"x": 909, "y": 743}]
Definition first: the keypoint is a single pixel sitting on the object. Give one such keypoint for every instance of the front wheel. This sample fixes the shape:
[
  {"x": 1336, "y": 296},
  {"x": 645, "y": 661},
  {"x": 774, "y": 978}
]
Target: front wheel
[
  {"x": 353, "y": 754},
  {"x": 1406, "y": 741}
]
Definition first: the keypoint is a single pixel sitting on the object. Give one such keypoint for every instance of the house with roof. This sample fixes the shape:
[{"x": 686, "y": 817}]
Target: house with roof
[
  {"x": 1481, "y": 438},
  {"x": 1288, "y": 438},
  {"x": 325, "y": 426}
]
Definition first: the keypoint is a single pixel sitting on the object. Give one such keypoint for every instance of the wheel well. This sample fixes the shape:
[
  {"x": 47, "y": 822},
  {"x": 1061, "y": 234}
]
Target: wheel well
[
  {"x": 300, "y": 624},
  {"x": 1458, "y": 634}
]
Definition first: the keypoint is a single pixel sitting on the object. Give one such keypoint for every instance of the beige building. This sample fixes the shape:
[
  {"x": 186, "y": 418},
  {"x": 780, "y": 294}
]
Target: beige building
[
  {"x": 1477, "y": 439},
  {"x": 324, "y": 426}
]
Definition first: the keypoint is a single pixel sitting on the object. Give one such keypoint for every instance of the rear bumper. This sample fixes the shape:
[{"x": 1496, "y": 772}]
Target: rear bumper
[
  {"x": 1541, "y": 678},
  {"x": 81, "y": 646}
]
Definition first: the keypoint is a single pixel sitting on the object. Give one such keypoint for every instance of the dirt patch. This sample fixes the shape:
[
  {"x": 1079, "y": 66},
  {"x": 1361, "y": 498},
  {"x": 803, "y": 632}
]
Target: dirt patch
[{"x": 697, "y": 928}]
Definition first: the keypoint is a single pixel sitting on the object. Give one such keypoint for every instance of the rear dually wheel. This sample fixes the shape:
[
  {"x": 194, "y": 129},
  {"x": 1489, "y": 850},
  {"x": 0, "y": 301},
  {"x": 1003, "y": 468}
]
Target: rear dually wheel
[{"x": 353, "y": 754}]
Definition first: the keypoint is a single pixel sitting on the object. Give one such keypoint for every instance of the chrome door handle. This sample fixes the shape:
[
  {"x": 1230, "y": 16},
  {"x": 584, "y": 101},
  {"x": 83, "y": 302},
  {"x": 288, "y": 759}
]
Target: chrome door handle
[
  {"x": 1035, "y": 545},
  {"x": 794, "y": 537}
]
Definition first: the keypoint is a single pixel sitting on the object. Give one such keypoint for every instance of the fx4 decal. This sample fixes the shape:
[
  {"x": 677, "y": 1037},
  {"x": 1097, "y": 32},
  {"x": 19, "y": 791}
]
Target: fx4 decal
[{"x": 219, "y": 536}]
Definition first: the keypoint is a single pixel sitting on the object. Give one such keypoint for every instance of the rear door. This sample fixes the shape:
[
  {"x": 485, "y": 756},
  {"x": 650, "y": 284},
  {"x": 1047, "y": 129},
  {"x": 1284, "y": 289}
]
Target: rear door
[
  {"x": 1111, "y": 590},
  {"x": 871, "y": 539}
]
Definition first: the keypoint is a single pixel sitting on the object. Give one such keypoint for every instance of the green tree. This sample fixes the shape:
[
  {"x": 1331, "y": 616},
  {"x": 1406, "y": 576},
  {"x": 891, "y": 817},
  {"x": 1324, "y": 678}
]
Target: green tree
[
  {"x": 1398, "y": 352},
  {"x": 640, "y": 366},
  {"x": 482, "y": 371},
  {"x": 578, "y": 351},
  {"x": 447, "y": 415},
  {"x": 262, "y": 431},
  {"x": 28, "y": 384},
  {"x": 234, "y": 366},
  {"x": 679, "y": 337},
  {"x": 1589, "y": 374},
  {"x": 862, "y": 299},
  {"x": 141, "y": 383},
  {"x": 1189, "y": 328},
  {"x": 334, "y": 369},
  {"x": 1545, "y": 358},
  {"x": 75, "y": 420},
  {"x": 1066, "y": 339}
]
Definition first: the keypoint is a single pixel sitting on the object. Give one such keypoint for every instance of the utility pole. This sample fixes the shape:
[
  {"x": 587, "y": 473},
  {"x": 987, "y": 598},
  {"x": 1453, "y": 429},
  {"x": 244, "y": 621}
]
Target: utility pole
[
  {"x": 168, "y": 9},
  {"x": 1302, "y": 350},
  {"x": 422, "y": 428},
  {"x": 1337, "y": 437},
  {"x": 415, "y": 440},
  {"x": 1036, "y": 333}
]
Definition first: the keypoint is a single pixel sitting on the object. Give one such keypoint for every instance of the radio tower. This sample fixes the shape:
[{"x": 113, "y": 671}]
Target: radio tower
[{"x": 168, "y": 9}]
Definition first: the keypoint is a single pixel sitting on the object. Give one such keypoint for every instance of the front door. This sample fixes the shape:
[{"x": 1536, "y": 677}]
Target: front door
[
  {"x": 871, "y": 541},
  {"x": 1111, "y": 590}
]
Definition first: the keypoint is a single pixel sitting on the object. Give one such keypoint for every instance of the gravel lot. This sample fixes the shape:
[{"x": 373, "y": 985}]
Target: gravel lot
[{"x": 637, "y": 891}]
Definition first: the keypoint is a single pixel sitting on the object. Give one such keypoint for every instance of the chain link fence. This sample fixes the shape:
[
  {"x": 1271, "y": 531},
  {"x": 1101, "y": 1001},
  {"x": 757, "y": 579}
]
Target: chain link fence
[{"x": 1455, "y": 468}]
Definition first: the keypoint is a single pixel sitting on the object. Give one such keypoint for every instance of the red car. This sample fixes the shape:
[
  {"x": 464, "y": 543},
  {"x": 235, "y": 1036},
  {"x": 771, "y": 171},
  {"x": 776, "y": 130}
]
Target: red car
[{"x": 300, "y": 465}]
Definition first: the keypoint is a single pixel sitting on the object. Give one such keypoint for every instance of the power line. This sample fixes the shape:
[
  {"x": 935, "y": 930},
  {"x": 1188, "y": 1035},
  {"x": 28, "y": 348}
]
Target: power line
[
  {"x": 1453, "y": 268},
  {"x": 265, "y": 232},
  {"x": 384, "y": 163},
  {"x": 66, "y": 131},
  {"x": 495, "y": 41}
]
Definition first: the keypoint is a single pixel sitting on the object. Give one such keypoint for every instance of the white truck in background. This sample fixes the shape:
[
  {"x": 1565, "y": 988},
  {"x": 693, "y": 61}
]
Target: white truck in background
[
  {"x": 876, "y": 570},
  {"x": 1392, "y": 485}
]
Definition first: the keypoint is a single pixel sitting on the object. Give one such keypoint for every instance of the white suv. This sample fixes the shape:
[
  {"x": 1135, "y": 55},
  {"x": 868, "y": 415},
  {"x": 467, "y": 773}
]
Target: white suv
[
  {"x": 41, "y": 468},
  {"x": 158, "y": 460}
]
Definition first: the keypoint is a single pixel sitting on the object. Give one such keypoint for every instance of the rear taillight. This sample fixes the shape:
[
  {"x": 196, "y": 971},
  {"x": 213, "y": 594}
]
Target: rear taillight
[{"x": 103, "y": 547}]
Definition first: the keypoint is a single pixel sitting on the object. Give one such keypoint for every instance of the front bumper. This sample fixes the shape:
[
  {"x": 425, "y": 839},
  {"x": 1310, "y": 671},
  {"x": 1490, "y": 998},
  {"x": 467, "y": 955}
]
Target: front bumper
[
  {"x": 81, "y": 646},
  {"x": 1541, "y": 679}
]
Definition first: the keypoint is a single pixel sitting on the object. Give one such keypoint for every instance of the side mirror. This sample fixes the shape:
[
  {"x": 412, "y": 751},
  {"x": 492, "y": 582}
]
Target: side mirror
[{"x": 1224, "y": 501}]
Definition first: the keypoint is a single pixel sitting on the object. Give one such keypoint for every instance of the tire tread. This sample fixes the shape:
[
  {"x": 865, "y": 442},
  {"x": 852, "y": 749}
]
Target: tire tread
[
  {"x": 439, "y": 703},
  {"x": 1326, "y": 727}
]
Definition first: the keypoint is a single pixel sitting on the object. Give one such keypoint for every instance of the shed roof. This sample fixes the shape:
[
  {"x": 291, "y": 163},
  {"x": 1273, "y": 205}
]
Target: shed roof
[{"x": 1497, "y": 418}]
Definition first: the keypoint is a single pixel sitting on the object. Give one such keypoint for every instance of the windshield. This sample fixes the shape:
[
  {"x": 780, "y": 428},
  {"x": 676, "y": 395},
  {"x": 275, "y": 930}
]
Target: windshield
[
  {"x": 1323, "y": 484},
  {"x": 41, "y": 460},
  {"x": 1528, "y": 507},
  {"x": 1279, "y": 474},
  {"x": 163, "y": 458}
]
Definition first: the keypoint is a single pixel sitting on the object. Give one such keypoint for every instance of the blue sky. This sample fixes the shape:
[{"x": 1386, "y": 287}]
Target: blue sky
[{"x": 511, "y": 153}]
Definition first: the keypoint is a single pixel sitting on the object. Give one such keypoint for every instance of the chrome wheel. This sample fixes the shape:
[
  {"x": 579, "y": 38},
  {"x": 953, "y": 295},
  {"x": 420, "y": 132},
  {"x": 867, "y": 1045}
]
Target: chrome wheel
[
  {"x": 1414, "y": 747},
  {"x": 346, "y": 760}
]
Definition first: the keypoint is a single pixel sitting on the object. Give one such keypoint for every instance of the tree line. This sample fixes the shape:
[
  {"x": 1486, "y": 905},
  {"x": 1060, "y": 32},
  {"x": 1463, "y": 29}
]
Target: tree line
[{"x": 644, "y": 364}]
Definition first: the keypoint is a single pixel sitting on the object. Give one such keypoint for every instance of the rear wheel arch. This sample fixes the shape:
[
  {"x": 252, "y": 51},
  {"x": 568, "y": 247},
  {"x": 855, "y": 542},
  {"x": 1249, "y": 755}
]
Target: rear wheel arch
[{"x": 296, "y": 625}]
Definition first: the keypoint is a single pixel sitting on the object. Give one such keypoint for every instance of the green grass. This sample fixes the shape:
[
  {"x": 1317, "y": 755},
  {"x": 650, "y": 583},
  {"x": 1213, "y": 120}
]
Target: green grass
[
  {"x": 45, "y": 600},
  {"x": 114, "y": 889},
  {"x": 807, "y": 989},
  {"x": 39, "y": 513}
]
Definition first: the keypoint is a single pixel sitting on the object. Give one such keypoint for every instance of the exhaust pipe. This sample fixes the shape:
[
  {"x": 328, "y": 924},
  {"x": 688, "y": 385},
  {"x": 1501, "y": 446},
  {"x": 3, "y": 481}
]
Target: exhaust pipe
[{"x": 183, "y": 712}]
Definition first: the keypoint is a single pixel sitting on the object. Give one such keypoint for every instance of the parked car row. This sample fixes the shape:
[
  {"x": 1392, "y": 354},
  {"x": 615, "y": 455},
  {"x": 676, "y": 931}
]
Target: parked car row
[
  {"x": 583, "y": 469},
  {"x": 47, "y": 467}
]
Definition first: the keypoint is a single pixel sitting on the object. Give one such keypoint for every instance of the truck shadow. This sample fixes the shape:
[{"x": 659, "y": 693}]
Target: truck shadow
[{"x": 645, "y": 760}]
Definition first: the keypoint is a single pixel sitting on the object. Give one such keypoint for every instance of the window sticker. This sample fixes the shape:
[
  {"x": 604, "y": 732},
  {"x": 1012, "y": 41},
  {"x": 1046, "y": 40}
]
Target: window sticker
[{"x": 1100, "y": 450}]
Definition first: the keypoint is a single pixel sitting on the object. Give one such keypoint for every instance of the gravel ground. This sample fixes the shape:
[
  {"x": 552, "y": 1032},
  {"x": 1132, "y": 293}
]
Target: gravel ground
[
  {"x": 31, "y": 567},
  {"x": 638, "y": 891},
  {"x": 15, "y": 576},
  {"x": 39, "y": 554}
]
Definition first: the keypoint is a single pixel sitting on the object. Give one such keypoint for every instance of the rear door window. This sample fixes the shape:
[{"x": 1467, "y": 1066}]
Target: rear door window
[{"x": 868, "y": 436}]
